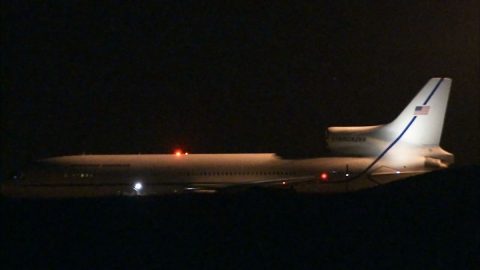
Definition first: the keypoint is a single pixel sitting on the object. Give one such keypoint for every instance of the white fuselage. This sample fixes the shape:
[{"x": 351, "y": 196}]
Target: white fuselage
[{"x": 106, "y": 175}]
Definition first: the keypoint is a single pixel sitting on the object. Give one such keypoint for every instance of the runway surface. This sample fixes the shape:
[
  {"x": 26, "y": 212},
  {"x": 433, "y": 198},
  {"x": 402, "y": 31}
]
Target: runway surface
[{"x": 431, "y": 221}]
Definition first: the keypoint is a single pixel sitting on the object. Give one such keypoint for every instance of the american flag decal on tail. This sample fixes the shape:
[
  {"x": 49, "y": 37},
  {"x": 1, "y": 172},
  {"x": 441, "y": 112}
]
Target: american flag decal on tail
[{"x": 421, "y": 110}]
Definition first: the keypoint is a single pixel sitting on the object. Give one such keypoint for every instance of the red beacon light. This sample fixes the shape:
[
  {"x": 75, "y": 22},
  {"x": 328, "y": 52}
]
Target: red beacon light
[
  {"x": 324, "y": 176},
  {"x": 179, "y": 152}
]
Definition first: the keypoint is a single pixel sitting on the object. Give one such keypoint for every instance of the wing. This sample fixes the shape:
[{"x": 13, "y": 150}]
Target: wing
[{"x": 231, "y": 187}]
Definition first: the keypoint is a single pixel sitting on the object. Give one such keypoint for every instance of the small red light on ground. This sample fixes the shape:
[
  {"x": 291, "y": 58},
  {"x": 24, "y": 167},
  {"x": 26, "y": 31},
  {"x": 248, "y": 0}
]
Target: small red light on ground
[
  {"x": 186, "y": 153},
  {"x": 178, "y": 152},
  {"x": 324, "y": 176}
]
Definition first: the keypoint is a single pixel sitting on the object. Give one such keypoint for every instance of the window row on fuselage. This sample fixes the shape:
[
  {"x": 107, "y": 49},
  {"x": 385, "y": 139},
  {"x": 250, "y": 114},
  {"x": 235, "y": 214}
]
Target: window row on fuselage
[
  {"x": 87, "y": 174},
  {"x": 86, "y": 166},
  {"x": 233, "y": 173}
]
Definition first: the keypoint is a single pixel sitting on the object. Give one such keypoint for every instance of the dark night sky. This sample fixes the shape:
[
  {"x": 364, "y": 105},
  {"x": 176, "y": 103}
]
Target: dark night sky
[{"x": 245, "y": 77}]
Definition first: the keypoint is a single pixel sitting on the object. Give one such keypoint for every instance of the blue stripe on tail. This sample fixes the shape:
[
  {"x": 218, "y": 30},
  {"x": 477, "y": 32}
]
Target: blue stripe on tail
[{"x": 403, "y": 132}]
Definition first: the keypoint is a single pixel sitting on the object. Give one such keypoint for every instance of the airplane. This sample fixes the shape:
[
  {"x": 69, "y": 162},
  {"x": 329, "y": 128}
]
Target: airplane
[{"x": 364, "y": 157}]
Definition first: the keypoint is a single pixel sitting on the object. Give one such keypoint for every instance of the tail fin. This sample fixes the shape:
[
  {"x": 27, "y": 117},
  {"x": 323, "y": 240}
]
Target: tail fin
[
  {"x": 421, "y": 122},
  {"x": 418, "y": 126}
]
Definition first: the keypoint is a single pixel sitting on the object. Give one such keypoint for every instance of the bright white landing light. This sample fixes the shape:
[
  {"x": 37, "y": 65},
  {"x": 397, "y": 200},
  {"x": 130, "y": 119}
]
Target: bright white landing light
[{"x": 138, "y": 186}]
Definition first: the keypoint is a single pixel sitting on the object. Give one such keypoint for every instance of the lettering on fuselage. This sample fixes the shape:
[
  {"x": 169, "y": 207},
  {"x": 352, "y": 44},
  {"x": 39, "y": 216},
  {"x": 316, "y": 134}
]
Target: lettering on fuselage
[{"x": 348, "y": 138}]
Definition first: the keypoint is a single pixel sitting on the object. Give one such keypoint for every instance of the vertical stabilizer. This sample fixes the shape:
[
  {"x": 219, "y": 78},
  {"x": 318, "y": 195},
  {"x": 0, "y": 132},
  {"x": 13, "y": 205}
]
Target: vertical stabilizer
[
  {"x": 418, "y": 126},
  {"x": 421, "y": 122}
]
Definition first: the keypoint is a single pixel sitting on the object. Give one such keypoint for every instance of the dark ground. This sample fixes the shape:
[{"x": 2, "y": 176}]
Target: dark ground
[{"x": 426, "y": 222}]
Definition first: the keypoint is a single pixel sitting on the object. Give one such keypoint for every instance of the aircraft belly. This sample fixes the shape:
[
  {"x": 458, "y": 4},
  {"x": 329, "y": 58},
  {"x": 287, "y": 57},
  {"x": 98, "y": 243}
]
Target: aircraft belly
[
  {"x": 61, "y": 191},
  {"x": 321, "y": 188},
  {"x": 97, "y": 190}
]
